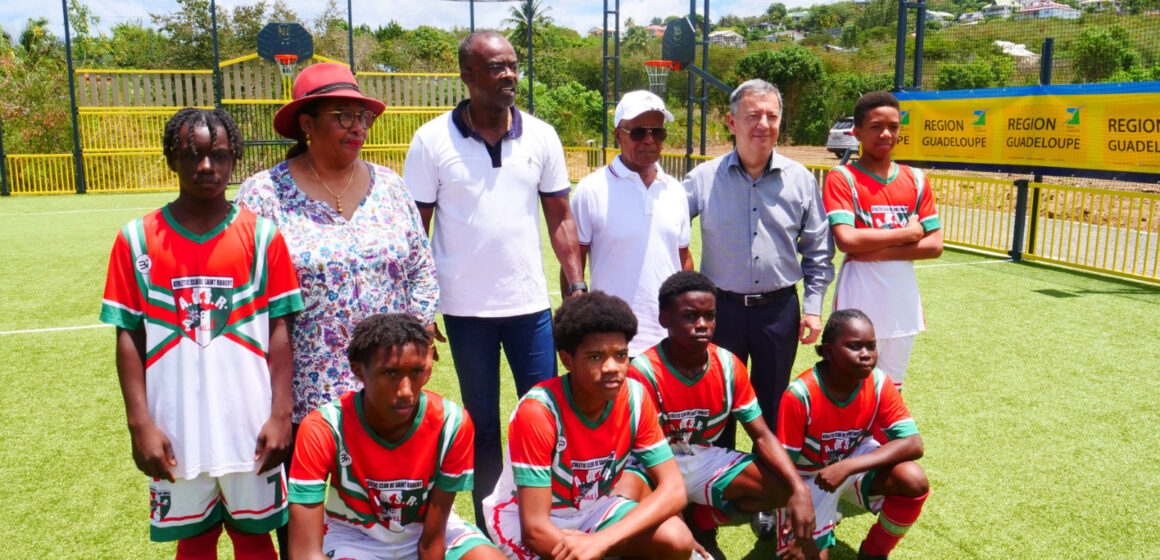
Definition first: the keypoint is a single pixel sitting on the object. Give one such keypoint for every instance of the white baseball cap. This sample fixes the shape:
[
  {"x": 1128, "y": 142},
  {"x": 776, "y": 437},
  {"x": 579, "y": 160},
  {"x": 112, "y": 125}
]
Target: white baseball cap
[{"x": 637, "y": 103}]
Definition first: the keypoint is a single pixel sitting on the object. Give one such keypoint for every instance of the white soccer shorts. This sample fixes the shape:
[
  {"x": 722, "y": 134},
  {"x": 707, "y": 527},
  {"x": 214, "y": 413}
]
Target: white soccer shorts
[
  {"x": 249, "y": 502},
  {"x": 503, "y": 522},
  {"x": 343, "y": 542}
]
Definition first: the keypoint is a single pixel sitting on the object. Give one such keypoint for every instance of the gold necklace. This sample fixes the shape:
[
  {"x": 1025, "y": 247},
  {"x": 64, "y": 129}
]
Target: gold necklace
[
  {"x": 471, "y": 125},
  {"x": 337, "y": 197}
]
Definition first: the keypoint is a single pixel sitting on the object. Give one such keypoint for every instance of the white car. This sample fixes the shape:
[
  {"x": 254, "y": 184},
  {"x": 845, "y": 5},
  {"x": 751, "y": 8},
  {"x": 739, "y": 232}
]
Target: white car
[{"x": 842, "y": 137}]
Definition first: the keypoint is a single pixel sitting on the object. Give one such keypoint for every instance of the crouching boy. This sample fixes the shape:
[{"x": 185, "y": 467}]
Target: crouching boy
[
  {"x": 395, "y": 456},
  {"x": 568, "y": 442},
  {"x": 696, "y": 386},
  {"x": 825, "y": 422}
]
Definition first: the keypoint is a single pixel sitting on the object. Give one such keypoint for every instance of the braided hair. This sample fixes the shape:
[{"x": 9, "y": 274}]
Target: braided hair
[
  {"x": 837, "y": 320},
  {"x": 193, "y": 117}
]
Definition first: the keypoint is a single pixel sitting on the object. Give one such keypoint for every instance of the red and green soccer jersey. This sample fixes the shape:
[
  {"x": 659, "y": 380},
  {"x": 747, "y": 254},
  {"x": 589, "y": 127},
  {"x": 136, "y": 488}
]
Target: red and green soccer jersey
[
  {"x": 818, "y": 431},
  {"x": 857, "y": 198},
  {"x": 205, "y": 303},
  {"x": 376, "y": 486},
  {"x": 551, "y": 444},
  {"x": 694, "y": 411}
]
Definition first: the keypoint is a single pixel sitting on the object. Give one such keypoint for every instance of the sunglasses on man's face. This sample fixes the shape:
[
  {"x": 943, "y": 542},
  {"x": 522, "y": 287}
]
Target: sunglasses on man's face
[
  {"x": 347, "y": 117},
  {"x": 637, "y": 134}
]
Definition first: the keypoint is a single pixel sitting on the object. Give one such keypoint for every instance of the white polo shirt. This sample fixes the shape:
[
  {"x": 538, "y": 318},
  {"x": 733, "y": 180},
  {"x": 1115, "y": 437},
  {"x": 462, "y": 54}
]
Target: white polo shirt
[
  {"x": 633, "y": 234},
  {"x": 486, "y": 237}
]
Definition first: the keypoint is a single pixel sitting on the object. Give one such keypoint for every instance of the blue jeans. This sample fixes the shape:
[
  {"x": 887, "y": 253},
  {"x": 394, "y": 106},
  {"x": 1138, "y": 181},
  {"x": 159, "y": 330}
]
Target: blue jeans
[{"x": 475, "y": 344}]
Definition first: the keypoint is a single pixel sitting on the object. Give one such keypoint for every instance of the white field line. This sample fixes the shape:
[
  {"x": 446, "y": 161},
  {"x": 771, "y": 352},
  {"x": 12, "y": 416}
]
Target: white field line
[
  {"x": 89, "y": 211},
  {"x": 963, "y": 264},
  {"x": 28, "y": 331}
]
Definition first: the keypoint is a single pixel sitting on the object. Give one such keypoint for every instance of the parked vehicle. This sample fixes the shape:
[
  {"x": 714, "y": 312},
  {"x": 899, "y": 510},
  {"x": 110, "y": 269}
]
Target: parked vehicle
[{"x": 842, "y": 137}]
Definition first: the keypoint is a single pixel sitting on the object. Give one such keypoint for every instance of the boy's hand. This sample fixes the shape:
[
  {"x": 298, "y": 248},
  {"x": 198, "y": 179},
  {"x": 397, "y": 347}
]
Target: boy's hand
[
  {"x": 914, "y": 228},
  {"x": 801, "y": 549},
  {"x": 273, "y": 443},
  {"x": 436, "y": 550},
  {"x": 580, "y": 546},
  {"x": 800, "y": 513},
  {"x": 831, "y": 477},
  {"x": 152, "y": 452}
]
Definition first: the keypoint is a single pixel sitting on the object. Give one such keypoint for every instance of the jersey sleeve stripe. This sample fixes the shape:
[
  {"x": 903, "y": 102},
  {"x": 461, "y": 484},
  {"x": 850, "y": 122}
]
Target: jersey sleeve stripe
[
  {"x": 840, "y": 217},
  {"x": 306, "y": 491},
  {"x": 748, "y": 413},
  {"x": 286, "y": 303},
  {"x": 901, "y": 429},
  {"x": 118, "y": 315},
  {"x": 654, "y": 454}
]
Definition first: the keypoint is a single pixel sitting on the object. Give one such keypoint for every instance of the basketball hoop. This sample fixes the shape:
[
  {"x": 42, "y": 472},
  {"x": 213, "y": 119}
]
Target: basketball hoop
[
  {"x": 658, "y": 74},
  {"x": 286, "y": 63}
]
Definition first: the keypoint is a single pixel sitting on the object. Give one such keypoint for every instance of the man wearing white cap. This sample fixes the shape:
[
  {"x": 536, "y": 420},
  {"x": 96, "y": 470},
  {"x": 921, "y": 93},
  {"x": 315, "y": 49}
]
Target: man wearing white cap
[{"x": 633, "y": 219}]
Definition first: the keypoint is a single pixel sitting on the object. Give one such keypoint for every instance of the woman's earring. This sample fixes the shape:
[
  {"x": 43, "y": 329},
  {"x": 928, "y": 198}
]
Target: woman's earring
[{"x": 308, "y": 140}]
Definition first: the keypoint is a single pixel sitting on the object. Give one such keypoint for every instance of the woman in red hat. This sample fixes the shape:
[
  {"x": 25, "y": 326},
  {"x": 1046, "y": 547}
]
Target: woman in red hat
[{"x": 353, "y": 230}]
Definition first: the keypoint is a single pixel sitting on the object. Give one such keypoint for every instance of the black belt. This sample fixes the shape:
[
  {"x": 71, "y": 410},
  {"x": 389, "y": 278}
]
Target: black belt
[{"x": 754, "y": 300}]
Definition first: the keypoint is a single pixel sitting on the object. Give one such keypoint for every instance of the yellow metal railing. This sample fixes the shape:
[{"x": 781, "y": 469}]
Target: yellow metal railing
[
  {"x": 128, "y": 171},
  {"x": 41, "y": 174},
  {"x": 975, "y": 213},
  {"x": 1100, "y": 230}
]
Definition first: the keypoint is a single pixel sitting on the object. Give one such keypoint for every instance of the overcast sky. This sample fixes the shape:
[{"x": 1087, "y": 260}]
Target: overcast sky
[{"x": 580, "y": 15}]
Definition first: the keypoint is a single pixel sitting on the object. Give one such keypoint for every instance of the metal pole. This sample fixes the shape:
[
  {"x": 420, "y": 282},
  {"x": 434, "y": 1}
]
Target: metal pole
[
  {"x": 471, "y": 10},
  {"x": 704, "y": 83},
  {"x": 217, "y": 70},
  {"x": 689, "y": 105},
  {"x": 900, "y": 48},
  {"x": 531, "y": 78},
  {"x": 4, "y": 189},
  {"x": 1045, "y": 63},
  {"x": 78, "y": 156},
  {"x": 919, "y": 40},
  {"x": 1016, "y": 251},
  {"x": 350, "y": 36},
  {"x": 604, "y": 82}
]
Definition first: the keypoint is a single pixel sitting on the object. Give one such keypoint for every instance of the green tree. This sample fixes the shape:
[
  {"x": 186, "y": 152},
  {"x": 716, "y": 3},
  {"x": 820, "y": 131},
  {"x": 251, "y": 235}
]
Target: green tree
[
  {"x": 1100, "y": 52},
  {"x": 636, "y": 38},
  {"x": 189, "y": 31},
  {"x": 89, "y": 47},
  {"x": 776, "y": 11},
  {"x": 983, "y": 72},
  {"x": 518, "y": 19},
  {"x": 36, "y": 40},
  {"x": 133, "y": 45},
  {"x": 796, "y": 71}
]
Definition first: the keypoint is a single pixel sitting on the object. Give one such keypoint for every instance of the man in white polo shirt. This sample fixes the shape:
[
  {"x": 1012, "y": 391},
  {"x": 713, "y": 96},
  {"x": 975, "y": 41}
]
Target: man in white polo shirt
[
  {"x": 633, "y": 219},
  {"x": 479, "y": 170}
]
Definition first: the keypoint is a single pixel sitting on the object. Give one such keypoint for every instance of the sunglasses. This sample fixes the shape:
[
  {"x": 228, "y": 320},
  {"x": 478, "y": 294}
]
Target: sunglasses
[
  {"x": 637, "y": 134},
  {"x": 347, "y": 117}
]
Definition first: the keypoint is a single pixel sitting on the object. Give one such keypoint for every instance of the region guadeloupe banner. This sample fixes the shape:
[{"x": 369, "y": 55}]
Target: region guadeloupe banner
[{"x": 1093, "y": 130}]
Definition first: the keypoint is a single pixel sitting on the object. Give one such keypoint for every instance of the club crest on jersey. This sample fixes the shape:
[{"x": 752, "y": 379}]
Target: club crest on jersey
[
  {"x": 397, "y": 503},
  {"x": 159, "y": 504},
  {"x": 686, "y": 425},
  {"x": 203, "y": 305},
  {"x": 837, "y": 445},
  {"x": 591, "y": 479},
  {"x": 890, "y": 216}
]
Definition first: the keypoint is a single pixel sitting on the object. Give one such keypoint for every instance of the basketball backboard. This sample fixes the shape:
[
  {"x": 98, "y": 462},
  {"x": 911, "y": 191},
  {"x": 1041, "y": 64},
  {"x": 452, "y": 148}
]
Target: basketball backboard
[
  {"x": 285, "y": 39},
  {"x": 679, "y": 43}
]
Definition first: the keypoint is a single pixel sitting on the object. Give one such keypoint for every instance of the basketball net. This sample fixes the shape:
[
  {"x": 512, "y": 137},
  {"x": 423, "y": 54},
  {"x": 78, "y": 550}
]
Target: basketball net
[
  {"x": 286, "y": 66},
  {"x": 658, "y": 75}
]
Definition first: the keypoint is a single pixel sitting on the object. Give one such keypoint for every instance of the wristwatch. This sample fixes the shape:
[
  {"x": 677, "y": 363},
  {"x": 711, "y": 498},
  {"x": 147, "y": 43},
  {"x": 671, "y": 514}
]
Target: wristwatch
[{"x": 581, "y": 285}]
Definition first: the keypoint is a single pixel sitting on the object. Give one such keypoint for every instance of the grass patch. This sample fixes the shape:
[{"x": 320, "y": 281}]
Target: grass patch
[{"x": 1036, "y": 409}]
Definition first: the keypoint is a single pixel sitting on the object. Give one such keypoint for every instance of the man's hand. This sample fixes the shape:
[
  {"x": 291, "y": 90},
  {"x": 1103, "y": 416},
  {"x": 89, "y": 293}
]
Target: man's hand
[
  {"x": 801, "y": 549},
  {"x": 273, "y": 443},
  {"x": 811, "y": 327},
  {"x": 152, "y": 452},
  {"x": 580, "y": 546},
  {"x": 831, "y": 477}
]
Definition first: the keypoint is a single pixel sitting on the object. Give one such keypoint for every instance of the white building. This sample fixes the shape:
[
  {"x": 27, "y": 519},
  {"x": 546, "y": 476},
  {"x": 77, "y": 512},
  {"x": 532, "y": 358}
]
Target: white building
[
  {"x": 1044, "y": 10},
  {"x": 726, "y": 38},
  {"x": 1002, "y": 8}
]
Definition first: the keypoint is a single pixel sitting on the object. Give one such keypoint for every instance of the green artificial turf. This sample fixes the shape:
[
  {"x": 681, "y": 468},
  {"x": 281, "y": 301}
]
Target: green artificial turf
[{"x": 1033, "y": 390}]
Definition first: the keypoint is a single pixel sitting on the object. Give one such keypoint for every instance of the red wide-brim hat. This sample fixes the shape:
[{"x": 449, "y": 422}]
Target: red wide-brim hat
[{"x": 320, "y": 81}]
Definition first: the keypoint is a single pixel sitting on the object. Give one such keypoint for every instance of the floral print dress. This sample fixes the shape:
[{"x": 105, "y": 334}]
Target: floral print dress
[{"x": 377, "y": 262}]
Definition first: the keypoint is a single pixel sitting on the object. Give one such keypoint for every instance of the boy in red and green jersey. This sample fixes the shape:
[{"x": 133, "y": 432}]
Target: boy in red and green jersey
[
  {"x": 883, "y": 217},
  {"x": 568, "y": 442},
  {"x": 827, "y": 422},
  {"x": 395, "y": 456}
]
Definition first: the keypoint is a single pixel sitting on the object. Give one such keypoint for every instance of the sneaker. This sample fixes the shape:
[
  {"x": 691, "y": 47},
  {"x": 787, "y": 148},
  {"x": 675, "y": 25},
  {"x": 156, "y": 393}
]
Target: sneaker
[
  {"x": 764, "y": 525},
  {"x": 863, "y": 556}
]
